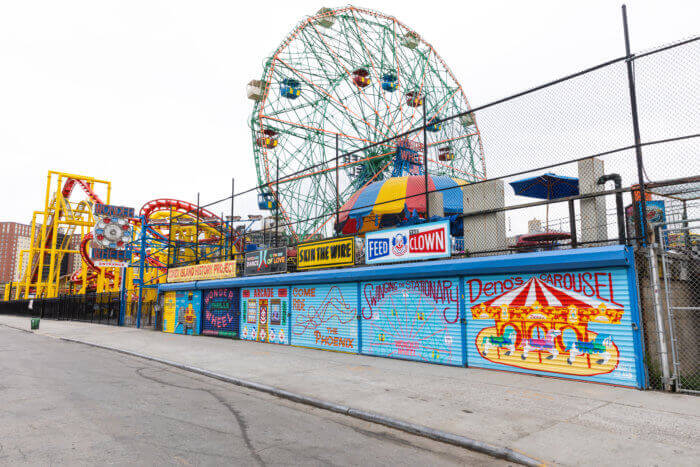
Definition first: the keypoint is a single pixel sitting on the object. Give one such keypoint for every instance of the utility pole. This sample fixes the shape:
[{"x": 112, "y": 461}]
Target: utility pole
[
  {"x": 635, "y": 125},
  {"x": 337, "y": 183},
  {"x": 196, "y": 238},
  {"x": 277, "y": 200},
  {"x": 230, "y": 229}
]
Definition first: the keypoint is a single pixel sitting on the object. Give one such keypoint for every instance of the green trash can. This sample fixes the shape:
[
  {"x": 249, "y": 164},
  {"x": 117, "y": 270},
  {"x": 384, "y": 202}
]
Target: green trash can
[{"x": 35, "y": 324}]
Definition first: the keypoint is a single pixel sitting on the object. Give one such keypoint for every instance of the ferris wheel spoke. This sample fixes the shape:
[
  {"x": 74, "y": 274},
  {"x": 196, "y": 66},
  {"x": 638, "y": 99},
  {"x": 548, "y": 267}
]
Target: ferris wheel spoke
[
  {"x": 420, "y": 91},
  {"x": 448, "y": 140},
  {"x": 399, "y": 82},
  {"x": 472, "y": 175},
  {"x": 334, "y": 83},
  {"x": 328, "y": 170},
  {"x": 322, "y": 130},
  {"x": 335, "y": 56},
  {"x": 440, "y": 101},
  {"x": 315, "y": 86},
  {"x": 359, "y": 35}
]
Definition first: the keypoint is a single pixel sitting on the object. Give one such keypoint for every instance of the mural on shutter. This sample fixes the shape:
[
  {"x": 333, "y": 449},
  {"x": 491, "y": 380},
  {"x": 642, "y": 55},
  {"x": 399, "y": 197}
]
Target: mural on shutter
[
  {"x": 412, "y": 319},
  {"x": 264, "y": 314},
  {"x": 169, "y": 311},
  {"x": 188, "y": 307},
  {"x": 325, "y": 316},
  {"x": 567, "y": 324},
  {"x": 220, "y": 308}
]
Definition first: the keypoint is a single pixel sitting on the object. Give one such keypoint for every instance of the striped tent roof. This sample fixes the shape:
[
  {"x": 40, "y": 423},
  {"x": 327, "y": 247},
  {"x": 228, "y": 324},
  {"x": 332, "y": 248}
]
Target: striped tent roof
[
  {"x": 396, "y": 194},
  {"x": 536, "y": 290}
]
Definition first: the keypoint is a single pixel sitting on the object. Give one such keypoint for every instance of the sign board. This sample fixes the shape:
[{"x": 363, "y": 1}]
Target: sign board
[
  {"x": 201, "y": 272},
  {"x": 111, "y": 235},
  {"x": 107, "y": 210},
  {"x": 326, "y": 253},
  {"x": 269, "y": 261},
  {"x": 110, "y": 257},
  {"x": 423, "y": 241}
]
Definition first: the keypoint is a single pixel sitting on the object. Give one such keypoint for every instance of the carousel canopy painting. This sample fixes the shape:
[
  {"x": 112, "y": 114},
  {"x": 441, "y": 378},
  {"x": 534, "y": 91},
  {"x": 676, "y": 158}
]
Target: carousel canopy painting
[{"x": 582, "y": 330}]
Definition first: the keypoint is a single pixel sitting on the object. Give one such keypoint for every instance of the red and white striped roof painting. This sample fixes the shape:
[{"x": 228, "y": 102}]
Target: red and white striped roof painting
[{"x": 546, "y": 295}]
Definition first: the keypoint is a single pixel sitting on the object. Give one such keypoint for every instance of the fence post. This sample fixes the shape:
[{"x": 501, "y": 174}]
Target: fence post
[
  {"x": 572, "y": 224},
  {"x": 425, "y": 159},
  {"x": 660, "y": 327},
  {"x": 635, "y": 125},
  {"x": 142, "y": 262},
  {"x": 122, "y": 295}
]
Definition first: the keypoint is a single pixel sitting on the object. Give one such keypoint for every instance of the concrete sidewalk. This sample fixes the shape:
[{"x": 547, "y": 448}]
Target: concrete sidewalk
[{"x": 560, "y": 422}]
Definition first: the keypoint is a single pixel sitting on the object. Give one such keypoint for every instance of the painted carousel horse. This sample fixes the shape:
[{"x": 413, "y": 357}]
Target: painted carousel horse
[
  {"x": 546, "y": 344},
  {"x": 507, "y": 340},
  {"x": 598, "y": 347}
]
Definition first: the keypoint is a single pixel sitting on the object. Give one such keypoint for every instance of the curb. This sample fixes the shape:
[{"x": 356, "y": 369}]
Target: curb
[{"x": 373, "y": 417}]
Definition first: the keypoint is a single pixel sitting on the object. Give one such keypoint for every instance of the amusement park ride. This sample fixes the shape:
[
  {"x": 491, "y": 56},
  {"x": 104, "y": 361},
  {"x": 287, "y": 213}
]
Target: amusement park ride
[
  {"x": 166, "y": 231},
  {"x": 341, "y": 81}
]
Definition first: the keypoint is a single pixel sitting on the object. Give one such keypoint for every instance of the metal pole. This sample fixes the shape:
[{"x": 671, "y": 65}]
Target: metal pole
[
  {"x": 170, "y": 238},
  {"x": 230, "y": 226},
  {"x": 425, "y": 160},
  {"x": 277, "y": 199},
  {"x": 337, "y": 183},
  {"x": 685, "y": 225},
  {"x": 196, "y": 238},
  {"x": 122, "y": 296},
  {"x": 621, "y": 237},
  {"x": 635, "y": 125},
  {"x": 660, "y": 327},
  {"x": 222, "y": 247},
  {"x": 142, "y": 264},
  {"x": 572, "y": 224}
]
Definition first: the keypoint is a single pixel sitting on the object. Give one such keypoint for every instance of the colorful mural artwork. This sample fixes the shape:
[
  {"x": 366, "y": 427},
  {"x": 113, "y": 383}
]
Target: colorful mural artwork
[
  {"x": 572, "y": 324},
  {"x": 412, "y": 319},
  {"x": 264, "y": 314},
  {"x": 325, "y": 317},
  {"x": 169, "y": 311},
  {"x": 221, "y": 315},
  {"x": 188, "y": 309}
]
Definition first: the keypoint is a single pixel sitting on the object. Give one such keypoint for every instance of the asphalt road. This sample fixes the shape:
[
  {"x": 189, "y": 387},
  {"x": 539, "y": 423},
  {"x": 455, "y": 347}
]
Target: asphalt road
[{"x": 67, "y": 403}]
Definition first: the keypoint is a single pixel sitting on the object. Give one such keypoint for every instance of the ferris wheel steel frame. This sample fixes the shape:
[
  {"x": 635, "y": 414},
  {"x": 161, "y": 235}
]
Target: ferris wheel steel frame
[{"x": 337, "y": 95}]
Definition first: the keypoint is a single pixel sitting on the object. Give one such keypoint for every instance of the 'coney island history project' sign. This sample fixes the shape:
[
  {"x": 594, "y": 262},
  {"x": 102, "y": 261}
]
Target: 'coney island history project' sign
[
  {"x": 200, "y": 272},
  {"x": 423, "y": 241}
]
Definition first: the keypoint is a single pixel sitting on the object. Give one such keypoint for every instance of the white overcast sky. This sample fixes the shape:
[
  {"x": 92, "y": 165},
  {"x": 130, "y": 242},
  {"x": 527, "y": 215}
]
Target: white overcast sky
[{"x": 151, "y": 94}]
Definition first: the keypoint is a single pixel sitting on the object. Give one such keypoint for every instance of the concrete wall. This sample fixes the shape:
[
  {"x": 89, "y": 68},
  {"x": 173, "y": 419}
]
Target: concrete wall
[
  {"x": 593, "y": 218},
  {"x": 484, "y": 231}
]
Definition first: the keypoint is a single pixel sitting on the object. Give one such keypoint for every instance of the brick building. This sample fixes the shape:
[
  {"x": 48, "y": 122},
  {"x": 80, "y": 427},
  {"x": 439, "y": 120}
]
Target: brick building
[{"x": 14, "y": 237}]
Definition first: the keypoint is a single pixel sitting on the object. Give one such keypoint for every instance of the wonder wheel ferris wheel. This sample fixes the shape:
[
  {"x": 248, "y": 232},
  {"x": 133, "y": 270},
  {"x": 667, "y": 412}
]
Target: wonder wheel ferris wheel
[{"x": 352, "y": 77}]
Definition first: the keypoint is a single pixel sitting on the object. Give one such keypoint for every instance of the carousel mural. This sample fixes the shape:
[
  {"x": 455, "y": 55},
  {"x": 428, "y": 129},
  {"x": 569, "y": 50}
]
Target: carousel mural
[{"x": 576, "y": 324}]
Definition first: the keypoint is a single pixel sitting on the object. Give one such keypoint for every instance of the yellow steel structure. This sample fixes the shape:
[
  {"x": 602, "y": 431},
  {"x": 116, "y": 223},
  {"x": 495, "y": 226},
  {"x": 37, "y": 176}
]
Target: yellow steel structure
[{"x": 60, "y": 220}]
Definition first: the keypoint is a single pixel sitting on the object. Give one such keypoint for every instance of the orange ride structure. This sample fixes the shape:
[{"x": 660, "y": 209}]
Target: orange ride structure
[{"x": 165, "y": 229}]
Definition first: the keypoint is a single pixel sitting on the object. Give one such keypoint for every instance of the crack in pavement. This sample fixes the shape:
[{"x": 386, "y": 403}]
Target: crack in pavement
[{"x": 240, "y": 419}]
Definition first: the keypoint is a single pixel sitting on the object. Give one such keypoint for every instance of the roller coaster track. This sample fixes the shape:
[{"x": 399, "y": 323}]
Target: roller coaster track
[{"x": 66, "y": 193}]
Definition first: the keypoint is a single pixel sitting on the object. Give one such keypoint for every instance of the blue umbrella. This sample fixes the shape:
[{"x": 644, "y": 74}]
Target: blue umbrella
[{"x": 547, "y": 186}]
